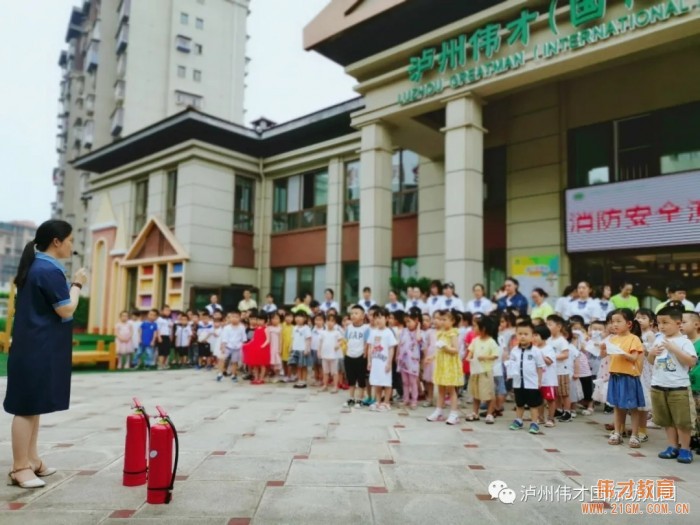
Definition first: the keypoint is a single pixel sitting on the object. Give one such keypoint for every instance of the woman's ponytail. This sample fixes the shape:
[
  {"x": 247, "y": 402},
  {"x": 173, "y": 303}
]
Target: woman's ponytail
[
  {"x": 45, "y": 235},
  {"x": 24, "y": 264}
]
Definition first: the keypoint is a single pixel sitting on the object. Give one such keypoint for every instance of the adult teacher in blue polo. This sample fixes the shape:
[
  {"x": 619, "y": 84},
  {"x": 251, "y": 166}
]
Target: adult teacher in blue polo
[{"x": 39, "y": 365}]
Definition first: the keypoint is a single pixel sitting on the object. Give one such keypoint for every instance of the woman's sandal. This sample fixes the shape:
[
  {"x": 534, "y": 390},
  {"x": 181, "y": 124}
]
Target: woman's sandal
[
  {"x": 35, "y": 483},
  {"x": 43, "y": 471}
]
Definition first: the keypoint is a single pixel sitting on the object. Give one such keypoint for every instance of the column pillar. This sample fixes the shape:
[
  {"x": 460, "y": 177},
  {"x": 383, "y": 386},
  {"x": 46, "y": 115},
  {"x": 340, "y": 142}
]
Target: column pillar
[
  {"x": 431, "y": 219},
  {"x": 464, "y": 193},
  {"x": 375, "y": 210},
  {"x": 334, "y": 228}
]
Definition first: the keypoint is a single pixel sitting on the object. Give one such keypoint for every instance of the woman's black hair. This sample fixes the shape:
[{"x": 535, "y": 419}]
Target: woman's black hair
[
  {"x": 436, "y": 283},
  {"x": 45, "y": 234},
  {"x": 628, "y": 315},
  {"x": 541, "y": 292}
]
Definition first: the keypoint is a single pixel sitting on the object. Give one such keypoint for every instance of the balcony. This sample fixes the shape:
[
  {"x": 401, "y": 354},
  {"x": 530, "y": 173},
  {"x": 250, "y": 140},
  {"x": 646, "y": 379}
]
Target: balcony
[
  {"x": 117, "y": 122},
  {"x": 124, "y": 10},
  {"x": 92, "y": 56},
  {"x": 188, "y": 99},
  {"x": 122, "y": 38},
  {"x": 88, "y": 133},
  {"x": 183, "y": 43},
  {"x": 58, "y": 177},
  {"x": 121, "y": 66},
  {"x": 61, "y": 142},
  {"x": 90, "y": 104},
  {"x": 119, "y": 90}
]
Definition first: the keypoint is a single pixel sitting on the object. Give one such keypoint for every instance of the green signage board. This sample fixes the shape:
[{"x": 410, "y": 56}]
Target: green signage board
[{"x": 467, "y": 59}]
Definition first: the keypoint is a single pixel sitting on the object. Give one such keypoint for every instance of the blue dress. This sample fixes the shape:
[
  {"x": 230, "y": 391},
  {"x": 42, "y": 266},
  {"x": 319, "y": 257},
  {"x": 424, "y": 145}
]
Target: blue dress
[{"x": 39, "y": 365}]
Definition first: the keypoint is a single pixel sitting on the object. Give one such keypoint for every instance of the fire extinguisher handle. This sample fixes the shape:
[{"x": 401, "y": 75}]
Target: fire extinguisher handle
[
  {"x": 161, "y": 411},
  {"x": 137, "y": 403}
]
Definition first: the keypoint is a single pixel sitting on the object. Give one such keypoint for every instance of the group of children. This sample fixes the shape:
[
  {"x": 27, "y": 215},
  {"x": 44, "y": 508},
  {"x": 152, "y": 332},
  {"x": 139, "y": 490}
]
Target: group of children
[{"x": 632, "y": 363}]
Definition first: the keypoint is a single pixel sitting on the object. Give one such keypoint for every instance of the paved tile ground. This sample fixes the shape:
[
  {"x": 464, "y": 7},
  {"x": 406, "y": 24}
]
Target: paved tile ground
[{"x": 275, "y": 455}]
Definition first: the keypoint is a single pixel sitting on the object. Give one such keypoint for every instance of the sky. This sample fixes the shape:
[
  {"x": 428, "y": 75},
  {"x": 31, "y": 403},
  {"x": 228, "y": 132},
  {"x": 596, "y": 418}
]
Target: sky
[{"x": 284, "y": 82}]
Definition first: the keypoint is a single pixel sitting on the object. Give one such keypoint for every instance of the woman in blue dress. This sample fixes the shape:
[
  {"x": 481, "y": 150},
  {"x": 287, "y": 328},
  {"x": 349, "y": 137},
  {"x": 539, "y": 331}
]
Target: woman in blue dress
[{"x": 39, "y": 365}]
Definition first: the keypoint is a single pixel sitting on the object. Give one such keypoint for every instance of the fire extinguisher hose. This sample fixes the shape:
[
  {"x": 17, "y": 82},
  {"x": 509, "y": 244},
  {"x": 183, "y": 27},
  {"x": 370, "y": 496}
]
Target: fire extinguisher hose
[{"x": 170, "y": 488}]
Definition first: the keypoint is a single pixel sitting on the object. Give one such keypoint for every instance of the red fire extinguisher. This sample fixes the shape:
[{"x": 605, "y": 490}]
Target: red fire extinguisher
[
  {"x": 161, "y": 467},
  {"x": 135, "y": 460}
]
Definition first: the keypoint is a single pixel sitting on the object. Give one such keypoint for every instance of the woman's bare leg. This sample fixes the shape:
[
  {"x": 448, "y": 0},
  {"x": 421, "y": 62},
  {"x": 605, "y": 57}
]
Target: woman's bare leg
[{"x": 24, "y": 432}]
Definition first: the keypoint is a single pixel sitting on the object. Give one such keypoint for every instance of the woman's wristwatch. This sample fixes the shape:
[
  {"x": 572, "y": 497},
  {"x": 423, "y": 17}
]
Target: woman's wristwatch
[{"x": 80, "y": 286}]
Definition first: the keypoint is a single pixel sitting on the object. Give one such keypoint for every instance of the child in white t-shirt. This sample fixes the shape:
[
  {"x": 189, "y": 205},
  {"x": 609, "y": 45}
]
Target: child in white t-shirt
[
  {"x": 561, "y": 348},
  {"x": 329, "y": 343},
  {"x": 549, "y": 376},
  {"x": 382, "y": 345}
]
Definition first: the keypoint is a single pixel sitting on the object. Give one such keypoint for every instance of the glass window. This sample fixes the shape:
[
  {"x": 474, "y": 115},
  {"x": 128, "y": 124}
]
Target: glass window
[
  {"x": 197, "y": 75},
  {"x": 351, "y": 283},
  {"x": 171, "y": 199},
  {"x": 404, "y": 182},
  {"x": 243, "y": 211},
  {"x": 290, "y": 285},
  {"x": 300, "y": 201},
  {"x": 352, "y": 191},
  {"x": 198, "y": 49},
  {"x": 635, "y": 155},
  {"x": 199, "y": 23},
  {"x": 184, "y": 19},
  {"x": 591, "y": 153},
  {"x": 277, "y": 285},
  {"x": 181, "y": 71},
  {"x": 406, "y": 268},
  {"x": 680, "y": 139},
  {"x": 140, "y": 205}
]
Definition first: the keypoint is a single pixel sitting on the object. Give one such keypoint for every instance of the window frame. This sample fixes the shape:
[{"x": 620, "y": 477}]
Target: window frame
[
  {"x": 140, "y": 215},
  {"x": 184, "y": 18},
  {"x": 244, "y": 216},
  {"x": 181, "y": 72},
  {"x": 351, "y": 207},
  {"x": 171, "y": 198},
  {"x": 302, "y": 218},
  {"x": 199, "y": 23},
  {"x": 400, "y": 197},
  {"x": 197, "y": 75}
]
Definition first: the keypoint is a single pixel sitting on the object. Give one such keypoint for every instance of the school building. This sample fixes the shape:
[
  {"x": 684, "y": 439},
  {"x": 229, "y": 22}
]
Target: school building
[{"x": 552, "y": 140}]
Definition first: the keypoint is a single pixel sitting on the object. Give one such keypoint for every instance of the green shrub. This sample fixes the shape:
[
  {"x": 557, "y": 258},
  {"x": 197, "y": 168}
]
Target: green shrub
[
  {"x": 3, "y": 323},
  {"x": 80, "y": 316}
]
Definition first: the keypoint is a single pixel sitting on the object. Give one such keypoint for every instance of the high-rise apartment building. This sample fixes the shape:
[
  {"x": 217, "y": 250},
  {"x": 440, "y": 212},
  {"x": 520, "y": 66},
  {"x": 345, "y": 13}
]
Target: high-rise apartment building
[
  {"x": 13, "y": 238},
  {"x": 131, "y": 63}
]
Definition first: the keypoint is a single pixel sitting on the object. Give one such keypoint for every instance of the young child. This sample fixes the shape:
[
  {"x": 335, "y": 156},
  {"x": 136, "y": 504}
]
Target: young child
[
  {"x": 193, "y": 354},
  {"x": 527, "y": 367},
  {"x": 690, "y": 327},
  {"x": 647, "y": 320},
  {"x": 204, "y": 333},
  {"x": 482, "y": 353},
  {"x": 256, "y": 352},
  {"x": 506, "y": 341},
  {"x": 382, "y": 346},
  {"x": 673, "y": 355},
  {"x": 183, "y": 338},
  {"x": 217, "y": 348},
  {"x": 328, "y": 346},
  {"x": 165, "y": 331},
  {"x": 274, "y": 334},
  {"x": 147, "y": 340},
  {"x": 429, "y": 349},
  {"x": 356, "y": 335},
  {"x": 625, "y": 388},
  {"x": 233, "y": 337},
  {"x": 314, "y": 358},
  {"x": 124, "y": 333},
  {"x": 448, "y": 369},
  {"x": 135, "y": 323},
  {"x": 549, "y": 381},
  {"x": 301, "y": 348},
  {"x": 287, "y": 333},
  {"x": 409, "y": 357},
  {"x": 561, "y": 348}
]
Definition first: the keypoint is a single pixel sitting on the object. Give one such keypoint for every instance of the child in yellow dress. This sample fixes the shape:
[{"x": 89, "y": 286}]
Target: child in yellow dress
[
  {"x": 286, "y": 346},
  {"x": 448, "y": 368}
]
